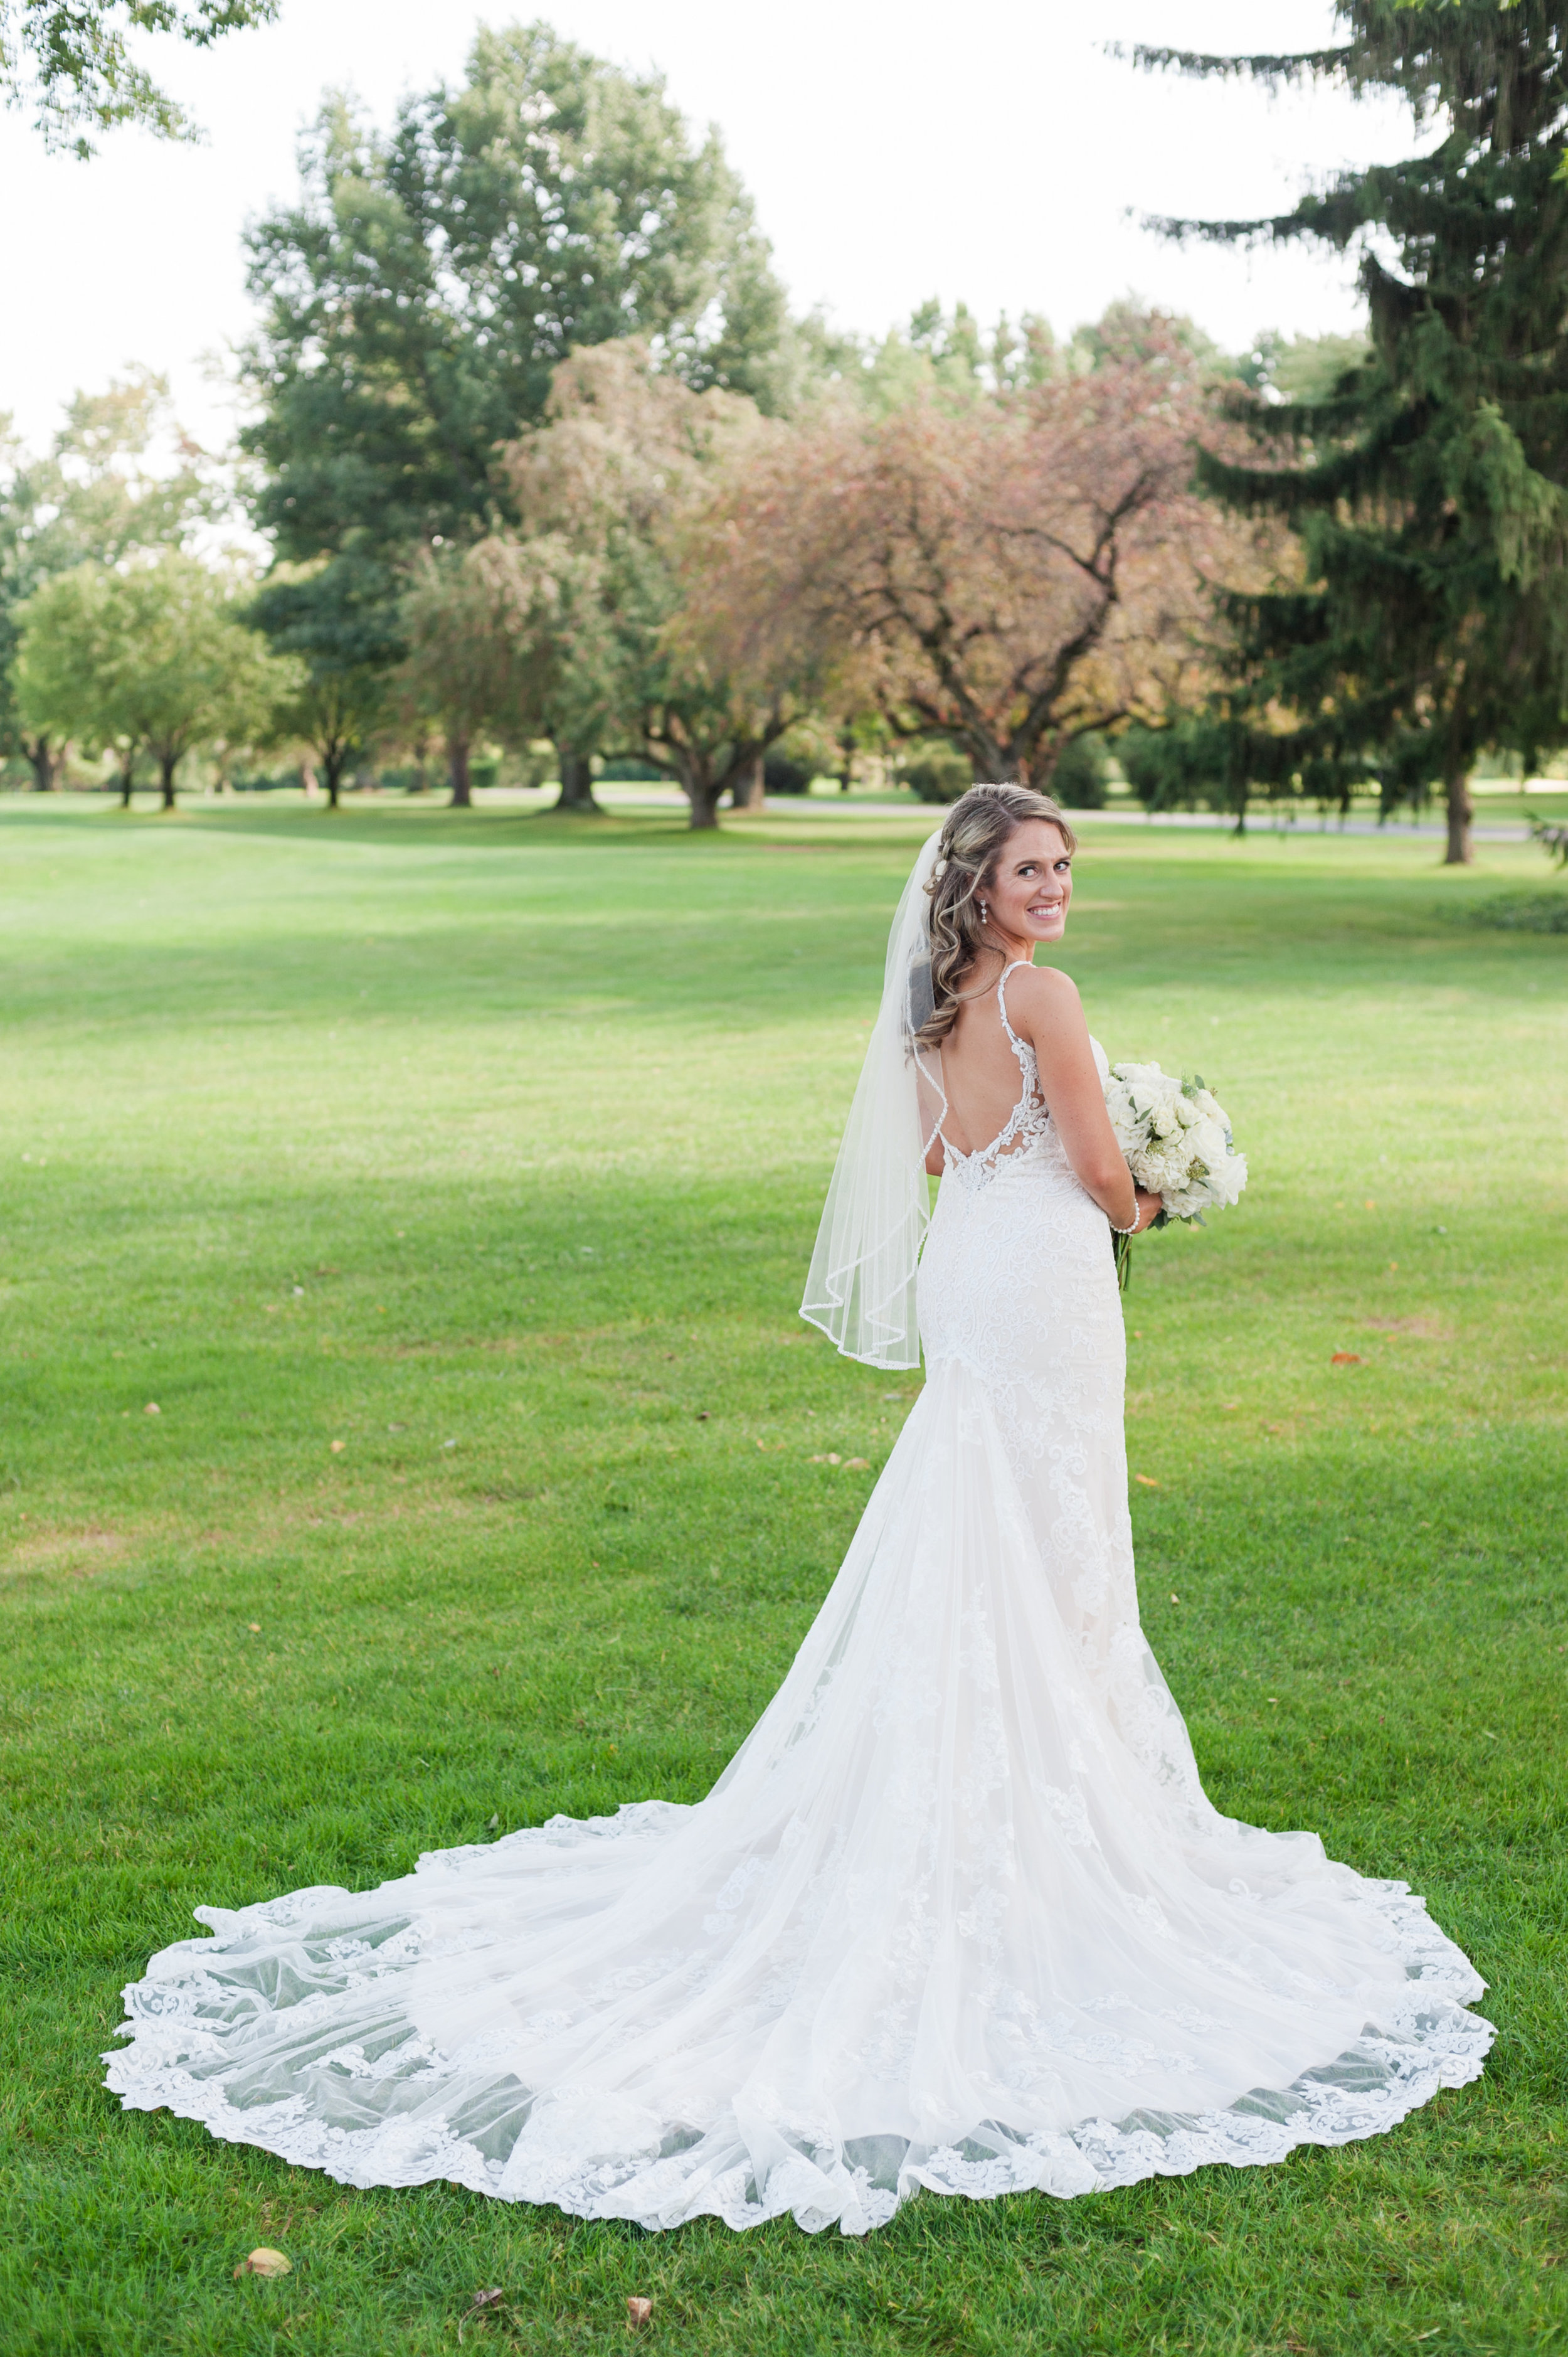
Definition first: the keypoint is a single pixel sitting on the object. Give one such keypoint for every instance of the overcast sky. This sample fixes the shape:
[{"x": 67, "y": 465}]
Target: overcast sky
[{"x": 989, "y": 151}]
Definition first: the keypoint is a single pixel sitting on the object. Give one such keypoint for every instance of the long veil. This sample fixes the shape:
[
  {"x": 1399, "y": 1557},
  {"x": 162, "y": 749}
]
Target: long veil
[{"x": 860, "y": 1287}]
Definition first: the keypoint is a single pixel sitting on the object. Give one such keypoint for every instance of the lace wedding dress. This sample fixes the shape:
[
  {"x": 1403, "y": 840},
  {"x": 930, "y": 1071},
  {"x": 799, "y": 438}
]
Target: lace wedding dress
[{"x": 957, "y": 1915}]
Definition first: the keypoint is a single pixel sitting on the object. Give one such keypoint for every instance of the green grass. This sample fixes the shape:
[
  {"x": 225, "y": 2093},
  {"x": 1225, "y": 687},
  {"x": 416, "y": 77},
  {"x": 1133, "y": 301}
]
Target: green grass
[{"x": 491, "y": 1147}]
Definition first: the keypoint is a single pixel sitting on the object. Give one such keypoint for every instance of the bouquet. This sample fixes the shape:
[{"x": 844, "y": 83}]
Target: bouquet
[{"x": 1176, "y": 1137}]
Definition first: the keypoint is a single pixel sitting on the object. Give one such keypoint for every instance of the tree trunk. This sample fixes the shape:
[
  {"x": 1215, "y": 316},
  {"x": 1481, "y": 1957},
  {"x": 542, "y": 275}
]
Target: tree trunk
[
  {"x": 747, "y": 792},
  {"x": 127, "y": 780},
  {"x": 41, "y": 759},
  {"x": 847, "y": 747},
  {"x": 457, "y": 763},
  {"x": 307, "y": 780},
  {"x": 576, "y": 783},
  {"x": 1461, "y": 811},
  {"x": 167, "y": 764},
  {"x": 704, "y": 805}
]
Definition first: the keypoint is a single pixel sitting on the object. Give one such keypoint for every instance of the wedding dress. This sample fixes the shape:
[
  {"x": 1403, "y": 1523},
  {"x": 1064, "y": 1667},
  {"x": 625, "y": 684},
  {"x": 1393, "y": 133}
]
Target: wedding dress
[{"x": 957, "y": 1915}]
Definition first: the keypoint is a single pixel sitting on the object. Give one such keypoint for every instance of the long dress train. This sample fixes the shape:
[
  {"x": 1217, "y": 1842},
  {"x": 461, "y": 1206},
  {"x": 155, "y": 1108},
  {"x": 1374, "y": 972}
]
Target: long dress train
[{"x": 957, "y": 1914}]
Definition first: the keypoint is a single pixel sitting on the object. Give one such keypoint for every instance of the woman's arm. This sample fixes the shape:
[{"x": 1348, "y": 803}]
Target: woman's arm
[{"x": 1044, "y": 1008}]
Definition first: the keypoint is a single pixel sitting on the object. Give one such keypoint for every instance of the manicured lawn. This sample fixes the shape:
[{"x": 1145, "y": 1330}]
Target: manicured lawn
[{"x": 490, "y": 1148}]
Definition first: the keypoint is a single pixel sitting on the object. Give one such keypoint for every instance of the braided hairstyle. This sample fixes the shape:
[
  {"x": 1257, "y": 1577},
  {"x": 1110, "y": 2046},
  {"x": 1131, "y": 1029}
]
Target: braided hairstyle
[{"x": 978, "y": 826}]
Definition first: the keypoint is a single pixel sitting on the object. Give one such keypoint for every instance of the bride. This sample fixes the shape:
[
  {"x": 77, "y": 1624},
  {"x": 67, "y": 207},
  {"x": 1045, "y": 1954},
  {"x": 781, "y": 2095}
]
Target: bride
[{"x": 958, "y": 1913}]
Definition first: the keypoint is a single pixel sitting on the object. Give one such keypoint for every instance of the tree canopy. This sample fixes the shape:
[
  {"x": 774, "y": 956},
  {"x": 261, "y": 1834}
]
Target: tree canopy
[
  {"x": 418, "y": 298},
  {"x": 152, "y": 655},
  {"x": 623, "y": 493},
  {"x": 1011, "y": 572},
  {"x": 71, "y": 60},
  {"x": 100, "y": 493}
]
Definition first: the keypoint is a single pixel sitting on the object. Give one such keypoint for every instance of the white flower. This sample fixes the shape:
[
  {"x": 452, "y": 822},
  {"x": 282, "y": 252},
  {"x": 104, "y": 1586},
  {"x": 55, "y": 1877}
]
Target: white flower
[{"x": 1175, "y": 1138}]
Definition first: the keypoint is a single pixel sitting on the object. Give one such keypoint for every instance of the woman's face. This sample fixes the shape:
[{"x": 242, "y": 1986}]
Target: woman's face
[{"x": 1032, "y": 883}]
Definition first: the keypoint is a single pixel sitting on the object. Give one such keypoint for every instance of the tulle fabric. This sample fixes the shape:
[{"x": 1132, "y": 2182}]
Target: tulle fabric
[
  {"x": 958, "y": 1914},
  {"x": 860, "y": 1287}
]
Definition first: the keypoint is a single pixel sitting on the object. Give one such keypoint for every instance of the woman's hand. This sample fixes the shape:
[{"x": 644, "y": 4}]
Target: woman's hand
[{"x": 1148, "y": 1210}]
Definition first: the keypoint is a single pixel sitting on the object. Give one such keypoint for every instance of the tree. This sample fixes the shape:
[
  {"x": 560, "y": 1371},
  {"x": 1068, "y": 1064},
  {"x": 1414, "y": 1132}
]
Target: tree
[
  {"x": 632, "y": 478},
  {"x": 335, "y": 711},
  {"x": 334, "y": 622},
  {"x": 1427, "y": 619},
  {"x": 1013, "y": 571},
  {"x": 100, "y": 494},
  {"x": 152, "y": 657},
  {"x": 420, "y": 295},
  {"x": 70, "y": 60},
  {"x": 470, "y": 617}
]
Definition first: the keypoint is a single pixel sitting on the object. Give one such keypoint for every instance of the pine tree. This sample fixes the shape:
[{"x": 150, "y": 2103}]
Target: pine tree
[{"x": 1426, "y": 487}]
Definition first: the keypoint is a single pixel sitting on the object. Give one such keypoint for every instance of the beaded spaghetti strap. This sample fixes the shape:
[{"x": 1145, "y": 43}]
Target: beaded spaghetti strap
[{"x": 1025, "y": 1054}]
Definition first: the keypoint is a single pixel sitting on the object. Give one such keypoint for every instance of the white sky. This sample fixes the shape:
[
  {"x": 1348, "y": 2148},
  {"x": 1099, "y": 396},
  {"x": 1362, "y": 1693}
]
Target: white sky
[{"x": 990, "y": 152}]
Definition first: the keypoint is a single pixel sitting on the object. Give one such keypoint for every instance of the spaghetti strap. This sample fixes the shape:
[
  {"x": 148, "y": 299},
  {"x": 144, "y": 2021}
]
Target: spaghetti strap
[{"x": 1002, "y": 1004}]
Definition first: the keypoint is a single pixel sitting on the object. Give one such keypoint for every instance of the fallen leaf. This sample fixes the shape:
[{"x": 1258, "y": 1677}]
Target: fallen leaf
[
  {"x": 493, "y": 1823},
  {"x": 264, "y": 2262},
  {"x": 479, "y": 2303},
  {"x": 338, "y": 1447},
  {"x": 1147, "y": 1480},
  {"x": 702, "y": 1414},
  {"x": 1229, "y": 1404},
  {"x": 1345, "y": 1359},
  {"x": 1370, "y": 1205},
  {"x": 254, "y": 1626},
  {"x": 857, "y": 1465},
  {"x": 833, "y": 1458},
  {"x": 1175, "y": 1597},
  {"x": 638, "y": 2313},
  {"x": 152, "y": 1408}
]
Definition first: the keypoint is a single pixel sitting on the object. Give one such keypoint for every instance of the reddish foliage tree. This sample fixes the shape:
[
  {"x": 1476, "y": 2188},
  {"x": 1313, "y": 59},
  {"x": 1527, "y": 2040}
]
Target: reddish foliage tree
[
  {"x": 1009, "y": 572},
  {"x": 628, "y": 475}
]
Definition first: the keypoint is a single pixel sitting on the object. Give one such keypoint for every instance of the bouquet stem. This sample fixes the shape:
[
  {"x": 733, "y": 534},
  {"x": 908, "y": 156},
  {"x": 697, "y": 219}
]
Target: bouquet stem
[{"x": 1123, "y": 1257}]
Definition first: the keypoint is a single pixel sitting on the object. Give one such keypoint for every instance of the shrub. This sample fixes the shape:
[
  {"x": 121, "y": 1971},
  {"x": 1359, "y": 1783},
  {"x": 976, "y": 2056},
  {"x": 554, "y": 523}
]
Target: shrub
[
  {"x": 626, "y": 767},
  {"x": 781, "y": 775},
  {"x": 939, "y": 774},
  {"x": 1522, "y": 912},
  {"x": 1082, "y": 772}
]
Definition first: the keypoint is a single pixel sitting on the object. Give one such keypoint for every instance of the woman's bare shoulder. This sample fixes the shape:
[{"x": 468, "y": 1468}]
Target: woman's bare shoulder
[{"x": 1043, "y": 986}]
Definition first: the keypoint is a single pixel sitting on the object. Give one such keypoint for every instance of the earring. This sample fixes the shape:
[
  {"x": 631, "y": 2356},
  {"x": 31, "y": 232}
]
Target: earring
[{"x": 984, "y": 912}]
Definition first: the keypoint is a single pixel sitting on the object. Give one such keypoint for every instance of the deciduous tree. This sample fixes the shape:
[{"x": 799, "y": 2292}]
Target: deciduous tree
[
  {"x": 72, "y": 62},
  {"x": 120, "y": 476},
  {"x": 1011, "y": 571},
  {"x": 151, "y": 655},
  {"x": 419, "y": 297},
  {"x": 633, "y": 474}
]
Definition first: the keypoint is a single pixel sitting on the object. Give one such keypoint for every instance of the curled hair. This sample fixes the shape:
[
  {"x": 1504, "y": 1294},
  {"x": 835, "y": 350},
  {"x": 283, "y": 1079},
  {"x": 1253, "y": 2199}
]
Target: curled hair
[{"x": 979, "y": 827}]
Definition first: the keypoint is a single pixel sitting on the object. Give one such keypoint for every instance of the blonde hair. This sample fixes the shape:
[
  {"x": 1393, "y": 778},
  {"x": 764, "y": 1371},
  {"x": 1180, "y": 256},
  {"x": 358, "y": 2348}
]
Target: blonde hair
[{"x": 978, "y": 828}]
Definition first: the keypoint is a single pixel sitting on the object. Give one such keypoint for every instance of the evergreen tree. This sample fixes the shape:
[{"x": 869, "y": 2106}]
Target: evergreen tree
[{"x": 1427, "y": 484}]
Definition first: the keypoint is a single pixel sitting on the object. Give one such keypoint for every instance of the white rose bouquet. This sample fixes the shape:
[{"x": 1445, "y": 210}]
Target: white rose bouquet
[{"x": 1176, "y": 1137}]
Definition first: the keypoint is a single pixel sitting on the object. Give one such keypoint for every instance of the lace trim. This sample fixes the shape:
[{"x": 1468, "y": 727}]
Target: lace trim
[
  {"x": 1027, "y": 1121},
  {"x": 597, "y": 2157}
]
